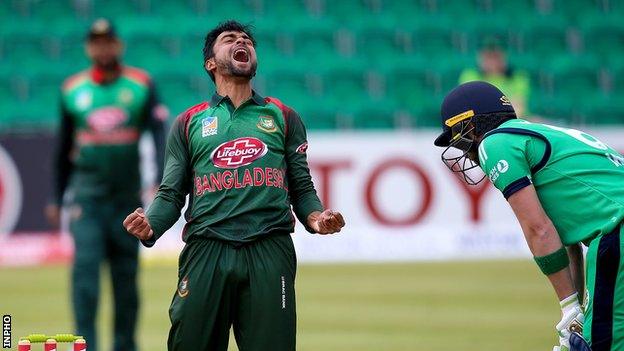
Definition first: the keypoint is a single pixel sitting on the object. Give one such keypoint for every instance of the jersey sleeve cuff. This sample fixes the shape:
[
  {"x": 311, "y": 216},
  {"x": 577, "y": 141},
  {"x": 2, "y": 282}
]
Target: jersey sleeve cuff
[
  {"x": 149, "y": 242},
  {"x": 515, "y": 186},
  {"x": 304, "y": 209}
]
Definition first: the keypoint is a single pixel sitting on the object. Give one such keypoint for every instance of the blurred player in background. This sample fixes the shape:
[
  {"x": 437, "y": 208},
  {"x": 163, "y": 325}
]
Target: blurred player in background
[
  {"x": 565, "y": 187},
  {"x": 495, "y": 69},
  {"x": 242, "y": 159},
  {"x": 105, "y": 109}
]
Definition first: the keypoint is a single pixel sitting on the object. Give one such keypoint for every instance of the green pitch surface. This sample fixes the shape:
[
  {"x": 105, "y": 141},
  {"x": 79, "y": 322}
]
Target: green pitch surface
[{"x": 500, "y": 305}]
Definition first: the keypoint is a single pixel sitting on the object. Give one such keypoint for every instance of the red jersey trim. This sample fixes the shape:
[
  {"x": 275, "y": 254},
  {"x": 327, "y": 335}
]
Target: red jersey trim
[
  {"x": 116, "y": 137},
  {"x": 188, "y": 115},
  {"x": 136, "y": 74},
  {"x": 285, "y": 110},
  {"x": 75, "y": 80}
]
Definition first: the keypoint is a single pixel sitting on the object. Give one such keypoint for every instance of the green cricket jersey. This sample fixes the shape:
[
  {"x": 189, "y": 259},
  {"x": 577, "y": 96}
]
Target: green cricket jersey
[
  {"x": 242, "y": 168},
  {"x": 100, "y": 130},
  {"x": 578, "y": 179}
]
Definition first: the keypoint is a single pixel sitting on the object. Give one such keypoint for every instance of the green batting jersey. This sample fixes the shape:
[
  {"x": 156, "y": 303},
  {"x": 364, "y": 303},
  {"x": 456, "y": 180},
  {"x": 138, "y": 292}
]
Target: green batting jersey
[
  {"x": 242, "y": 168},
  {"x": 101, "y": 124},
  {"x": 577, "y": 177}
]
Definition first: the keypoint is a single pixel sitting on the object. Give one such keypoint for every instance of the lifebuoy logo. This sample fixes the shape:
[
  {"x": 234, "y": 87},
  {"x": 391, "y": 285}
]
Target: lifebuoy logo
[
  {"x": 10, "y": 194},
  {"x": 107, "y": 118},
  {"x": 238, "y": 152}
]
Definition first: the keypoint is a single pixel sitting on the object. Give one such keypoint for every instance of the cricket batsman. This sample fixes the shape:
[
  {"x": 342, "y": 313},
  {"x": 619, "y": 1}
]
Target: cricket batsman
[
  {"x": 105, "y": 110},
  {"x": 565, "y": 187},
  {"x": 241, "y": 158}
]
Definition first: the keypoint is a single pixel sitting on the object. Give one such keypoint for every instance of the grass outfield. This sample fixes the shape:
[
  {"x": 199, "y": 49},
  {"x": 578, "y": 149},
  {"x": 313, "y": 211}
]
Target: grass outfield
[{"x": 501, "y": 305}]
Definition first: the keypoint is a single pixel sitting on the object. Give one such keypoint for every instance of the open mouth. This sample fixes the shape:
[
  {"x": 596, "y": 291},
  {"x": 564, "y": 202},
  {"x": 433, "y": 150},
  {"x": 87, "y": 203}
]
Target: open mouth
[{"x": 241, "y": 55}]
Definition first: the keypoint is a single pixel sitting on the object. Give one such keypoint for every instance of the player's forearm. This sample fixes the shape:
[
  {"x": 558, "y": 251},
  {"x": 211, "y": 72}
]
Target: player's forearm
[
  {"x": 163, "y": 213},
  {"x": 577, "y": 268},
  {"x": 546, "y": 246},
  {"x": 562, "y": 283},
  {"x": 304, "y": 199}
]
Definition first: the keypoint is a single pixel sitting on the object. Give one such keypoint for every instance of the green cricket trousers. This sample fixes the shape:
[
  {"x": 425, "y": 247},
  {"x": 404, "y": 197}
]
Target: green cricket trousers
[
  {"x": 248, "y": 286},
  {"x": 604, "y": 312},
  {"x": 99, "y": 237}
]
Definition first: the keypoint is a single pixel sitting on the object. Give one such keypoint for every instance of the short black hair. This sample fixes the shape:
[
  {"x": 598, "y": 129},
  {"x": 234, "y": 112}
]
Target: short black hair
[{"x": 227, "y": 26}]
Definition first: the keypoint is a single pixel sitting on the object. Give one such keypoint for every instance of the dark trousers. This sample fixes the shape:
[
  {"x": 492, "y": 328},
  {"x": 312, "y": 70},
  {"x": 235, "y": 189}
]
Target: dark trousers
[
  {"x": 250, "y": 288},
  {"x": 99, "y": 237}
]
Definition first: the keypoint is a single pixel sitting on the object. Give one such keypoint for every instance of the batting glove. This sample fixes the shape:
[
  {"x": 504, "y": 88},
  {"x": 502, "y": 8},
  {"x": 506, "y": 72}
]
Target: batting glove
[{"x": 572, "y": 321}]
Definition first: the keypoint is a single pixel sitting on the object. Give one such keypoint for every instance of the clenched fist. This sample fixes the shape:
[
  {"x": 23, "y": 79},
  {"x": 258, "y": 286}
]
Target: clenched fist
[
  {"x": 136, "y": 224},
  {"x": 326, "y": 222}
]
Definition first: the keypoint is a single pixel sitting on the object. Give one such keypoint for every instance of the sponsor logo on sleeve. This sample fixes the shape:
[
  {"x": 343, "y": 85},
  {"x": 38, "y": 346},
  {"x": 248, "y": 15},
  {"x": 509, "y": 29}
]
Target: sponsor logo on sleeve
[
  {"x": 238, "y": 152},
  {"x": 501, "y": 167},
  {"x": 302, "y": 148},
  {"x": 209, "y": 126}
]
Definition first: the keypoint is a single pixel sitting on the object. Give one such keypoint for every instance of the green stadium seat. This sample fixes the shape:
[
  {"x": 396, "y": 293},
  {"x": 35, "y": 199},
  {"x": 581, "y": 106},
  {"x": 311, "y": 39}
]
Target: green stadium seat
[
  {"x": 314, "y": 43},
  {"x": 400, "y": 10},
  {"x": 604, "y": 37},
  {"x": 375, "y": 116},
  {"x": 476, "y": 33},
  {"x": 545, "y": 37},
  {"x": 291, "y": 12},
  {"x": 345, "y": 83},
  {"x": 114, "y": 9},
  {"x": 239, "y": 9},
  {"x": 574, "y": 77},
  {"x": 175, "y": 87},
  {"x": 558, "y": 109},
  {"x": 378, "y": 43},
  {"x": 42, "y": 105},
  {"x": 509, "y": 9},
  {"x": 427, "y": 112},
  {"x": 617, "y": 80},
  {"x": 318, "y": 117},
  {"x": 345, "y": 11},
  {"x": 446, "y": 74},
  {"x": 287, "y": 83},
  {"x": 575, "y": 10},
  {"x": 410, "y": 85},
  {"x": 456, "y": 8},
  {"x": 148, "y": 50},
  {"x": 433, "y": 37},
  {"x": 604, "y": 111}
]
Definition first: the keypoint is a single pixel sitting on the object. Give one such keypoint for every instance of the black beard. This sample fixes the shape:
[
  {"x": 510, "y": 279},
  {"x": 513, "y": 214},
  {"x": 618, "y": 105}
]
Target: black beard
[
  {"x": 234, "y": 71},
  {"x": 110, "y": 65}
]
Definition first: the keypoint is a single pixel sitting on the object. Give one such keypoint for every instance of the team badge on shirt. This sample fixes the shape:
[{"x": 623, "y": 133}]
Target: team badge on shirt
[
  {"x": 209, "y": 126},
  {"x": 267, "y": 124},
  {"x": 183, "y": 287},
  {"x": 125, "y": 96}
]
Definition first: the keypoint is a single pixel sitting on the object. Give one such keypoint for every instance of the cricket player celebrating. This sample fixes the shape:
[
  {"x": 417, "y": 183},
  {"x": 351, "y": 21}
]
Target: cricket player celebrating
[
  {"x": 242, "y": 160},
  {"x": 565, "y": 187}
]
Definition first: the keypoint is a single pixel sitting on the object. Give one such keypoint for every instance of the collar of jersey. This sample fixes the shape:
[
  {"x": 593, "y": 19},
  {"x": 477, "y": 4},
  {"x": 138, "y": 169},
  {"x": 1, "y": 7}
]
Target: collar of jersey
[{"x": 255, "y": 97}]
